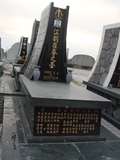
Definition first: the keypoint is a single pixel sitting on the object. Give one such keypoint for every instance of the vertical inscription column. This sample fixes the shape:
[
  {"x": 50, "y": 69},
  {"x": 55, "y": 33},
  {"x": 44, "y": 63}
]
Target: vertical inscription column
[
  {"x": 23, "y": 52},
  {"x": 54, "y": 58}
]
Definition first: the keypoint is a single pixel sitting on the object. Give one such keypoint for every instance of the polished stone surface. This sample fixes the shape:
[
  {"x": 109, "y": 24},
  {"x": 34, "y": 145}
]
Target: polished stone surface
[
  {"x": 62, "y": 94},
  {"x": 113, "y": 92}
]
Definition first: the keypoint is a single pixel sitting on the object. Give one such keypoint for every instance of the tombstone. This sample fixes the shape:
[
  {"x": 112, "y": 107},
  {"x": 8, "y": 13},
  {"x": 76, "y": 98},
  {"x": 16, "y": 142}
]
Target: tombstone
[
  {"x": 50, "y": 48},
  {"x": 22, "y": 53},
  {"x": 104, "y": 79},
  {"x": 32, "y": 43},
  {"x": 105, "y": 69},
  {"x": 53, "y": 106},
  {"x": 50, "y": 110},
  {"x": 20, "y": 70}
]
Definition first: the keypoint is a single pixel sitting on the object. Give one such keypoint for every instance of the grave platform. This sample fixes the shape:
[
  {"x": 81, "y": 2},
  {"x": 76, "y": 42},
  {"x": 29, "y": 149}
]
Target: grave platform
[{"x": 68, "y": 112}]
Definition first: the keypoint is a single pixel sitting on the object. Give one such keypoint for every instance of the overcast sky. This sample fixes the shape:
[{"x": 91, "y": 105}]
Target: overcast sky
[{"x": 85, "y": 22}]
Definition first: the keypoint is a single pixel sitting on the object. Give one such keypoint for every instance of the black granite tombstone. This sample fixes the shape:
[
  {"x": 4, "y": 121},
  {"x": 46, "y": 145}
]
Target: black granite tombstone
[
  {"x": 50, "y": 48},
  {"x": 51, "y": 108}
]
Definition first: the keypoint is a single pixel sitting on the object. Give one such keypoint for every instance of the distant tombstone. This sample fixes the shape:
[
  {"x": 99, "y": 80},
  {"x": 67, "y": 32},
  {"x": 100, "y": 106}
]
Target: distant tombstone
[
  {"x": 50, "y": 48},
  {"x": 32, "y": 43},
  {"x": 22, "y": 53},
  {"x": 20, "y": 69}
]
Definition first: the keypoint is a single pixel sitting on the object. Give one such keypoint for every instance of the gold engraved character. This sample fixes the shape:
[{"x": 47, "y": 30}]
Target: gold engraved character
[
  {"x": 55, "y": 38},
  {"x": 53, "y": 58},
  {"x": 24, "y": 39},
  {"x": 51, "y": 65},
  {"x": 118, "y": 83},
  {"x": 54, "y": 45},
  {"x": 56, "y": 32},
  {"x": 58, "y": 14}
]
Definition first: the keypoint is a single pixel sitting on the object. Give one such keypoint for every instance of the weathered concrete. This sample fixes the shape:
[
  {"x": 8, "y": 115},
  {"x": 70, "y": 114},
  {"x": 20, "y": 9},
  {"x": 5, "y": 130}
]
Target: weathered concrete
[{"x": 82, "y": 61}]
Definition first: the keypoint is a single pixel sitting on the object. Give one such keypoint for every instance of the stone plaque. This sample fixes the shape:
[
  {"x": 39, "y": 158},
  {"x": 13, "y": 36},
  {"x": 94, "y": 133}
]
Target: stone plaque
[{"x": 51, "y": 121}]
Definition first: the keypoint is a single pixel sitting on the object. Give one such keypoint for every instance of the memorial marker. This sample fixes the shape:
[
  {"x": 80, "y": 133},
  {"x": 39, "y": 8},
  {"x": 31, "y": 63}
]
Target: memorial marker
[
  {"x": 20, "y": 69},
  {"x": 52, "y": 107},
  {"x": 21, "y": 56},
  {"x": 22, "y": 53},
  {"x": 50, "y": 48}
]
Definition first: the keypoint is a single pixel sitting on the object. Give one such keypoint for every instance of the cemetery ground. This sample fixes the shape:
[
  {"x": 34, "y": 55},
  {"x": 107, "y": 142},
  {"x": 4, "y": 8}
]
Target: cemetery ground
[{"x": 108, "y": 149}]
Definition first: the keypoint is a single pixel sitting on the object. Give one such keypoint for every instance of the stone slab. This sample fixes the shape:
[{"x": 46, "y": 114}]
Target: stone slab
[
  {"x": 61, "y": 94},
  {"x": 113, "y": 92}
]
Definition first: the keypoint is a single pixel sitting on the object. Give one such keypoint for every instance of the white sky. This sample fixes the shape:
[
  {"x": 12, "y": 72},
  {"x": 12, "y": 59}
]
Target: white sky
[{"x": 85, "y": 22}]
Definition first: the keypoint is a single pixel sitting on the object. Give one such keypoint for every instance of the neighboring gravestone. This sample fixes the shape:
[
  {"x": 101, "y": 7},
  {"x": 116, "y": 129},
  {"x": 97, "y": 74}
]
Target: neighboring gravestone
[
  {"x": 21, "y": 56},
  {"x": 32, "y": 43},
  {"x": 106, "y": 68},
  {"x": 20, "y": 70},
  {"x": 104, "y": 79},
  {"x": 22, "y": 53},
  {"x": 50, "y": 48}
]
